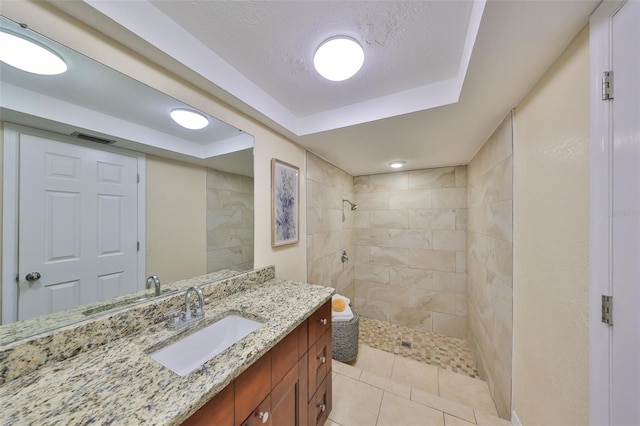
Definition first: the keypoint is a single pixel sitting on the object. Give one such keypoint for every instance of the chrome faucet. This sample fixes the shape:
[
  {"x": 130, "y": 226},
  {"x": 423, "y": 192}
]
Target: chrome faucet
[
  {"x": 197, "y": 312},
  {"x": 153, "y": 279}
]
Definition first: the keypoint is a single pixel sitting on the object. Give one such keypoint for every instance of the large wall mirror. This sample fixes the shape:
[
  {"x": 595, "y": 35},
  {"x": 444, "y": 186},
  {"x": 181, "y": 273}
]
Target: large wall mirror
[{"x": 96, "y": 130}]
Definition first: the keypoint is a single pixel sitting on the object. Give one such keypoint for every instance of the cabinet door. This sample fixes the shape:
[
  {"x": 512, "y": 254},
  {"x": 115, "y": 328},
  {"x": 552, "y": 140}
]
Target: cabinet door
[
  {"x": 217, "y": 412},
  {"x": 321, "y": 403},
  {"x": 261, "y": 416},
  {"x": 285, "y": 400},
  {"x": 251, "y": 387},
  {"x": 284, "y": 356}
]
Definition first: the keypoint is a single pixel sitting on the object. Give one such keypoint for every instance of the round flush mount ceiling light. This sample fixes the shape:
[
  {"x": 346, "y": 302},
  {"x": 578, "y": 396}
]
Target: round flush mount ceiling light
[
  {"x": 397, "y": 164},
  {"x": 29, "y": 56},
  {"x": 189, "y": 119},
  {"x": 338, "y": 58}
]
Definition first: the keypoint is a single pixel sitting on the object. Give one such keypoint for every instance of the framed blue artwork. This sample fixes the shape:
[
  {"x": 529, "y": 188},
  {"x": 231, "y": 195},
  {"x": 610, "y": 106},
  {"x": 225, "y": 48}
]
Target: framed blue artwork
[{"x": 285, "y": 208}]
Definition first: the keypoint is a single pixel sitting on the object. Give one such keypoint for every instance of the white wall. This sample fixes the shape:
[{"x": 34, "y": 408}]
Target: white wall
[{"x": 551, "y": 243}]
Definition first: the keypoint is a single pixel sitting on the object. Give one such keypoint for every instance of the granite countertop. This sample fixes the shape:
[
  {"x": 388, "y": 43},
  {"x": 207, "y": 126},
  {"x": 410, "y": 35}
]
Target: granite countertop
[{"x": 119, "y": 384}]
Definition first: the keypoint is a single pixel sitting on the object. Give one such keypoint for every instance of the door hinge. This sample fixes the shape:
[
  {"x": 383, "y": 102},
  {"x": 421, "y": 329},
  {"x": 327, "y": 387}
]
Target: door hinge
[
  {"x": 18, "y": 277},
  {"x": 607, "y": 85},
  {"x": 138, "y": 179},
  {"x": 138, "y": 245},
  {"x": 607, "y": 309}
]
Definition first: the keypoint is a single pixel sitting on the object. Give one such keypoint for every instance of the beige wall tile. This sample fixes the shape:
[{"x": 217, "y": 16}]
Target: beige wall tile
[
  {"x": 407, "y": 277},
  {"x": 361, "y": 184},
  {"x": 451, "y": 325},
  {"x": 461, "y": 261},
  {"x": 450, "y": 281},
  {"x": 432, "y": 219},
  {"x": 449, "y": 239},
  {"x": 405, "y": 238},
  {"x": 371, "y": 201},
  {"x": 372, "y": 272},
  {"x": 370, "y": 308},
  {"x": 414, "y": 199},
  {"x": 388, "y": 182},
  {"x": 490, "y": 260},
  {"x": 396, "y": 221},
  {"x": 371, "y": 237},
  {"x": 361, "y": 219},
  {"x": 449, "y": 198},
  {"x": 444, "y": 177},
  {"x": 434, "y": 260},
  {"x": 389, "y": 219},
  {"x": 389, "y": 256},
  {"x": 411, "y": 317}
]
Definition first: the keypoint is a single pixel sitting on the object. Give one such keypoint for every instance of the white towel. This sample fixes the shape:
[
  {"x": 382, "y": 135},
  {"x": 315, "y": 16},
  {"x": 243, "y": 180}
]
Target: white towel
[{"x": 345, "y": 315}]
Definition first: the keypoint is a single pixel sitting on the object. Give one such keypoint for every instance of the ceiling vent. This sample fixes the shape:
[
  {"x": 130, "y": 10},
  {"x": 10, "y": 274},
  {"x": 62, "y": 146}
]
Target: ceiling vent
[{"x": 92, "y": 138}]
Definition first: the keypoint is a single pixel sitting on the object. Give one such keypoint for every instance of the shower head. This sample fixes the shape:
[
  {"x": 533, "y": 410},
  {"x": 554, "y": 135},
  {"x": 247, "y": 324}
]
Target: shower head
[{"x": 353, "y": 206}]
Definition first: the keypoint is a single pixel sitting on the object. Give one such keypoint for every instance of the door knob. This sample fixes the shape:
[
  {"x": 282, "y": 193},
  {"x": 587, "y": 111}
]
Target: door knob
[{"x": 33, "y": 276}]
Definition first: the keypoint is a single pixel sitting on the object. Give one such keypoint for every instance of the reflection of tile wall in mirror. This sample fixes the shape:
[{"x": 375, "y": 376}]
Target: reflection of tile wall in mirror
[{"x": 98, "y": 101}]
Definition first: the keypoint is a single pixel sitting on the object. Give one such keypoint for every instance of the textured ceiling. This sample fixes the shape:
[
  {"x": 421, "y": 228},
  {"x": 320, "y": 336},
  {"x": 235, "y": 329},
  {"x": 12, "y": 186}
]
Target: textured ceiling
[
  {"x": 515, "y": 43},
  {"x": 406, "y": 44}
]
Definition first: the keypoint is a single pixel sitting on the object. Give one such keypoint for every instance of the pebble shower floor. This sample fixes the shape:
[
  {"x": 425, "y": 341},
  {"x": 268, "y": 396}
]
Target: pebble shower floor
[{"x": 442, "y": 351}]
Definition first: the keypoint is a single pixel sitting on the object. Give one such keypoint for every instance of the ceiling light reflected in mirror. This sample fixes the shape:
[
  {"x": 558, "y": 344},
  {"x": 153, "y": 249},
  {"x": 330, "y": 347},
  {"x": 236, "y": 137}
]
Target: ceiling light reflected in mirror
[
  {"x": 339, "y": 58},
  {"x": 397, "y": 164},
  {"x": 189, "y": 119},
  {"x": 29, "y": 56}
]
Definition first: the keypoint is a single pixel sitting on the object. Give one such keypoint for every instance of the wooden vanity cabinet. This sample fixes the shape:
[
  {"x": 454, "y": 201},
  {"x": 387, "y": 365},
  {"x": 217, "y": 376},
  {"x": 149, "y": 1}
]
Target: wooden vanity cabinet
[
  {"x": 289, "y": 386},
  {"x": 218, "y": 411}
]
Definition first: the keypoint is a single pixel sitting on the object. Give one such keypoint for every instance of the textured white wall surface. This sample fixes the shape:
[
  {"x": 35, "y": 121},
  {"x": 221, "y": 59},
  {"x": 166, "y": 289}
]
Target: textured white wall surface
[
  {"x": 176, "y": 221},
  {"x": 551, "y": 240}
]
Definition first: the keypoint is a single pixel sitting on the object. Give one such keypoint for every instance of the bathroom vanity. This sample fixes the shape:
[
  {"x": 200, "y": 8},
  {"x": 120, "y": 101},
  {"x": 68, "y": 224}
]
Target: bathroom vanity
[
  {"x": 289, "y": 385},
  {"x": 100, "y": 372}
]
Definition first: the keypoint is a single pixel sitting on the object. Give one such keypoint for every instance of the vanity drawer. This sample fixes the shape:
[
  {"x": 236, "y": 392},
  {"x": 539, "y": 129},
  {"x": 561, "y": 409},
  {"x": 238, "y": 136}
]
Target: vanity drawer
[
  {"x": 319, "y": 322},
  {"x": 319, "y": 361},
  {"x": 320, "y": 405}
]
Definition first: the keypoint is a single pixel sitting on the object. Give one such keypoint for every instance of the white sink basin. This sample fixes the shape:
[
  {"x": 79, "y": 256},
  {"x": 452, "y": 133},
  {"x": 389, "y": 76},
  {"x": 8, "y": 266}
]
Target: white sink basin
[{"x": 190, "y": 352}]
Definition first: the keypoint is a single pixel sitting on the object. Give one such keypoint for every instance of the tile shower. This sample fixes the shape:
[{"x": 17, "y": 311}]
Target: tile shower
[
  {"x": 412, "y": 242},
  {"x": 229, "y": 221}
]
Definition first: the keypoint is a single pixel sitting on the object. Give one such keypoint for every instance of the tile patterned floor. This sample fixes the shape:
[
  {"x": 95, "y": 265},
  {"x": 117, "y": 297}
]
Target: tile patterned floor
[
  {"x": 386, "y": 389},
  {"x": 448, "y": 353}
]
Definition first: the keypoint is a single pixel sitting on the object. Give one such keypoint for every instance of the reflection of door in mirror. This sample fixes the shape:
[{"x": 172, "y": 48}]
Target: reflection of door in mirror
[{"x": 78, "y": 225}]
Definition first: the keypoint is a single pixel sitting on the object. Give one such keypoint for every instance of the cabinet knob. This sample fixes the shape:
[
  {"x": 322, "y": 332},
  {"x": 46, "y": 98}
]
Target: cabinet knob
[
  {"x": 322, "y": 407},
  {"x": 322, "y": 359},
  {"x": 323, "y": 321},
  {"x": 264, "y": 416}
]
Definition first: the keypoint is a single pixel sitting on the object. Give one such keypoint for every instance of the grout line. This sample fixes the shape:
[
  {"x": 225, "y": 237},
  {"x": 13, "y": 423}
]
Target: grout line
[{"x": 380, "y": 408}]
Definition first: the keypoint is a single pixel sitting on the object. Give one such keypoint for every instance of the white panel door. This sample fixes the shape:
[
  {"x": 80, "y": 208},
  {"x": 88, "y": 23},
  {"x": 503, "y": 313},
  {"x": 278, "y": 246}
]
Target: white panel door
[
  {"x": 625, "y": 373},
  {"x": 77, "y": 225}
]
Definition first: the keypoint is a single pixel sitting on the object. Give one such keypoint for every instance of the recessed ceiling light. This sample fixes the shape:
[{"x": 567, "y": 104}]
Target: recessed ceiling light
[
  {"x": 29, "y": 56},
  {"x": 189, "y": 119},
  {"x": 397, "y": 164},
  {"x": 338, "y": 58}
]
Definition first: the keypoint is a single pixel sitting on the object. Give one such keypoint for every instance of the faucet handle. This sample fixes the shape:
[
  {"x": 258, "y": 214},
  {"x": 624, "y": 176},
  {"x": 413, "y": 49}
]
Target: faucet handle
[{"x": 174, "y": 317}]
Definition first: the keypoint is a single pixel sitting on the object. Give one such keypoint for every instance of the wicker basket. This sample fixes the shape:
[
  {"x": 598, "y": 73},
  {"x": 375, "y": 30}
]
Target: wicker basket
[{"x": 345, "y": 339}]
